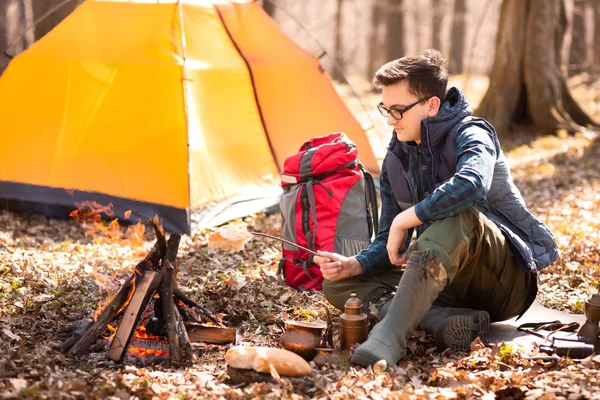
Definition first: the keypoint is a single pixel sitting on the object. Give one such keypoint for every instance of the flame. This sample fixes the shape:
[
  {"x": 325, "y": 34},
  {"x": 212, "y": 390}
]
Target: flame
[
  {"x": 125, "y": 303},
  {"x": 89, "y": 214}
]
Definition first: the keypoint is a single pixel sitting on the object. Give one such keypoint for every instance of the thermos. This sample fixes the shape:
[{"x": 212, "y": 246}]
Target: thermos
[
  {"x": 591, "y": 328},
  {"x": 354, "y": 325}
]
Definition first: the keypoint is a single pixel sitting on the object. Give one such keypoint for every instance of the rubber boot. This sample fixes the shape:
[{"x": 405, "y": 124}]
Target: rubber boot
[
  {"x": 455, "y": 328},
  {"x": 421, "y": 283}
]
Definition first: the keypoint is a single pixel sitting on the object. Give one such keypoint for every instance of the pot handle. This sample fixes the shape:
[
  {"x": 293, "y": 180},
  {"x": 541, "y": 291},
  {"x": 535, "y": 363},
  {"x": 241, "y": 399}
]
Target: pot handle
[{"x": 327, "y": 341}]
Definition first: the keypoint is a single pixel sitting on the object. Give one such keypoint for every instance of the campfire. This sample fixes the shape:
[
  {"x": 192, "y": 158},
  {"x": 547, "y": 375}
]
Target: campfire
[{"x": 150, "y": 315}]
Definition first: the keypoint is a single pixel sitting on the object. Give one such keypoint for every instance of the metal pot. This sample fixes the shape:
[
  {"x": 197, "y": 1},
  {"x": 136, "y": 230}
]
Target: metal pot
[{"x": 303, "y": 338}]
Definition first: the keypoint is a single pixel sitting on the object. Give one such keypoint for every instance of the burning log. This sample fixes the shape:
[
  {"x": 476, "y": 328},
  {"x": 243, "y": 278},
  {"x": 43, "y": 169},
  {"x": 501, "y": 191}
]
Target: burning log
[
  {"x": 109, "y": 313},
  {"x": 134, "y": 309},
  {"x": 153, "y": 282}
]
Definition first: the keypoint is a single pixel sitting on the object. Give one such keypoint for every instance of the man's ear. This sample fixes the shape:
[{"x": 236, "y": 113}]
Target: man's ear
[{"x": 433, "y": 106}]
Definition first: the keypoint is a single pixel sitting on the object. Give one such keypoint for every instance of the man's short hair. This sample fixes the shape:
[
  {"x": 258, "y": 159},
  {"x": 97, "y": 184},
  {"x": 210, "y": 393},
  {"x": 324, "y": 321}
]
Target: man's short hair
[{"x": 426, "y": 74}]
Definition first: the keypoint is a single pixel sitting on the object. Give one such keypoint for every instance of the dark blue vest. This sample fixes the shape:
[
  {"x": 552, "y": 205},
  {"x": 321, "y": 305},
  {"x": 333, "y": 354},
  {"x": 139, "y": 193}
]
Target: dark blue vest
[{"x": 532, "y": 243}]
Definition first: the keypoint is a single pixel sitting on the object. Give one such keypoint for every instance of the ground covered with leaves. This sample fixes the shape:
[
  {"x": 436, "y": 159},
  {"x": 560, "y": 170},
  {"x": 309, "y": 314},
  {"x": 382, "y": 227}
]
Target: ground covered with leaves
[{"x": 53, "y": 276}]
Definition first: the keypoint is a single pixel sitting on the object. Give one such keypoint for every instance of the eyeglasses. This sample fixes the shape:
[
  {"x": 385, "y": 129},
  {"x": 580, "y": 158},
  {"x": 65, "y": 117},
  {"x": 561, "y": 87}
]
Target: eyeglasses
[{"x": 398, "y": 113}]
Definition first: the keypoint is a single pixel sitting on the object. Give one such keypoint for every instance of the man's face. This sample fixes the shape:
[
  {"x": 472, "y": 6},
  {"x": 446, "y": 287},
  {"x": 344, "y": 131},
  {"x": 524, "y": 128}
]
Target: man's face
[{"x": 409, "y": 127}]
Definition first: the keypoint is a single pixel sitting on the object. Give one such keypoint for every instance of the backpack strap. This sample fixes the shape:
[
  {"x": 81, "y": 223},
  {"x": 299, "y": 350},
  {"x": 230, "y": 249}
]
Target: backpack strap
[
  {"x": 371, "y": 196},
  {"x": 305, "y": 204},
  {"x": 305, "y": 268}
]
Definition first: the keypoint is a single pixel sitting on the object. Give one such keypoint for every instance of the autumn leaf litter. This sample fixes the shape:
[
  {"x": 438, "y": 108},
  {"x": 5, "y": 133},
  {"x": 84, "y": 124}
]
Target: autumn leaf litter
[{"x": 52, "y": 276}]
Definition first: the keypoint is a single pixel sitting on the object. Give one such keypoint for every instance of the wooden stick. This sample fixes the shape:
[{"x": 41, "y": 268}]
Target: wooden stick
[
  {"x": 108, "y": 314},
  {"x": 191, "y": 303},
  {"x": 159, "y": 231},
  {"x": 186, "y": 347},
  {"x": 170, "y": 312},
  {"x": 76, "y": 335},
  {"x": 314, "y": 253},
  {"x": 135, "y": 308},
  {"x": 210, "y": 334}
]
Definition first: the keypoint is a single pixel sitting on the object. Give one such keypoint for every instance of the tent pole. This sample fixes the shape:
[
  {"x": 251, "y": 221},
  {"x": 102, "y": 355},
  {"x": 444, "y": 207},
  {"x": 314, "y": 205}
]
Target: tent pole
[{"x": 185, "y": 106}]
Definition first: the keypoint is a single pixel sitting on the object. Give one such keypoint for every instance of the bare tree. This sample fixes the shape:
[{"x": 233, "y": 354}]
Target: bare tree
[
  {"x": 59, "y": 10},
  {"x": 436, "y": 23},
  {"x": 394, "y": 29},
  {"x": 596, "y": 48},
  {"x": 459, "y": 32},
  {"x": 374, "y": 40},
  {"x": 269, "y": 7},
  {"x": 526, "y": 82},
  {"x": 3, "y": 41},
  {"x": 578, "y": 50},
  {"x": 338, "y": 73}
]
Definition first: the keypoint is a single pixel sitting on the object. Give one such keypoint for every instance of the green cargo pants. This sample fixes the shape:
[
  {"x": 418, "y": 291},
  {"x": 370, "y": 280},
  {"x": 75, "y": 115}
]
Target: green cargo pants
[{"x": 482, "y": 271}]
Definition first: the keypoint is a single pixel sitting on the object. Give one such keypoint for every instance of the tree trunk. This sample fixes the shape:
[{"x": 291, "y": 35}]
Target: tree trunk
[
  {"x": 596, "y": 48},
  {"x": 578, "y": 50},
  {"x": 459, "y": 32},
  {"x": 269, "y": 7},
  {"x": 28, "y": 15},
  {"x": 526, "y": 82},
  {"x": 41, "y": 7},
  {"x": 436, "y": 24},
  {"x": 394, "y": 30},
  {"x": 338, "y": 56},
  {"x": 374, "y": 59}
]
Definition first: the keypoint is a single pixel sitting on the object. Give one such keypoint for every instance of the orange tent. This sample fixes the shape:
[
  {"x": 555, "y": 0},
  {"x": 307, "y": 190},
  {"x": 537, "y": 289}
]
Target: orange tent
[{"x": 161, "y": 107}]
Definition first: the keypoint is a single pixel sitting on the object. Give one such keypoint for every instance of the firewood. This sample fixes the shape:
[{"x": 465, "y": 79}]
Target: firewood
[
  {"x": 136, "y": 306},
  {"x": 184, "y": 341},
  {"x": 191, "y": 303},
  {"x": 180, "y": 348},
  {"x": 210, "y": 334},
  {"x": 159, "y": 231},
  {"x": 75, "y": 332},
  {"x": 166, "y": 294},
  {"x": 108, "y": 314}
]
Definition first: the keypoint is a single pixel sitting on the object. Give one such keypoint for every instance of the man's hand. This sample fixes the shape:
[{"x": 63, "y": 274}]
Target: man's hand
[
  {"x": 335, "y": 266},
  {"x": 395, "y": 244}
]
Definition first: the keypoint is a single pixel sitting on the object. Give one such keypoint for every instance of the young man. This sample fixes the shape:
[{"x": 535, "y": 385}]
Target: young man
[{"x": 477, "y": 249}]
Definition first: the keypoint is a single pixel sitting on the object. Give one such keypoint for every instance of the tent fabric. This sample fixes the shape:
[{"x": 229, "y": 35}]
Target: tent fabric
[{"x": 161, "y": 106}]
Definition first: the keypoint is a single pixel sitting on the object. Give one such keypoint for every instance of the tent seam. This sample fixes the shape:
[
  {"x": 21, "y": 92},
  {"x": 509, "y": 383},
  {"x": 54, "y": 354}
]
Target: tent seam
[{"x": 260, "y": 112}]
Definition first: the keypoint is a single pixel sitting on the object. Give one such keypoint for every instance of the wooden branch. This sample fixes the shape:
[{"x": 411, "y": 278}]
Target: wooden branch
[
  {"x": 161, "y": 240},
  {"x": 77, "y": 332},
  {"x": 135, "y": 308},
  {"x": 210, "y": 334},
  {"x": 184, "y": 341},
  {"x": 170, "y": 311},
  {"x": 191, "y": 303},
  {"x": 150, "y": 262},
  {"x": 108, "y": 314}
]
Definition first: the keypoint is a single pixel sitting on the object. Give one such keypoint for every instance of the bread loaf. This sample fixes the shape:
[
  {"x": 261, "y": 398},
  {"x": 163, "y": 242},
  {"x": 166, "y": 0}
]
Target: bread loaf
[
  {"x": 285, "y": 362},
  {"x": 230, "y": 237}
]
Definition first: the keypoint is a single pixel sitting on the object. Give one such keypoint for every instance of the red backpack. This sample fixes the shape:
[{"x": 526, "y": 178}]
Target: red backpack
[{"x": 329, "y": 203}]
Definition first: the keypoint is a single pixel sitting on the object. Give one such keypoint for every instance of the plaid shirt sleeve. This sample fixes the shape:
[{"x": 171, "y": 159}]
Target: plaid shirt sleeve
[
  {"x": 476, "y": 155},
  {"x": 375, "y": 259}
]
